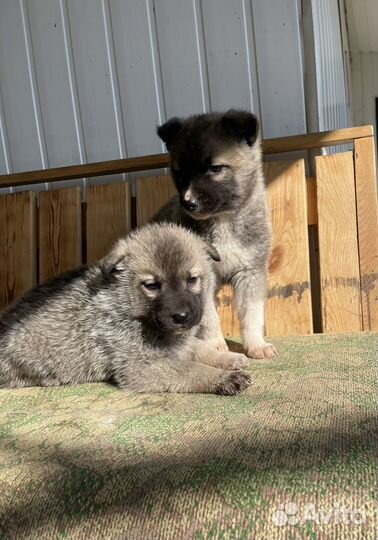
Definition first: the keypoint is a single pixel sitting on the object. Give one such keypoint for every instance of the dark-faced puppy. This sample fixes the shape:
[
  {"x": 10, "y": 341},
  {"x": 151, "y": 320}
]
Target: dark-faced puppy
[
  {"x": 133, "y": 318},
  {"x": 217, "y": 169}
]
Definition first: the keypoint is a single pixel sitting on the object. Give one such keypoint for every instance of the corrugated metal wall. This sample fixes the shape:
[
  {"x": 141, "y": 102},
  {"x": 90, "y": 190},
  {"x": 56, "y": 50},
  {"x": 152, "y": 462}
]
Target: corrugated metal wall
[
  {"x": 331, "y": 78},
  {"x": 89, "y": 80}
]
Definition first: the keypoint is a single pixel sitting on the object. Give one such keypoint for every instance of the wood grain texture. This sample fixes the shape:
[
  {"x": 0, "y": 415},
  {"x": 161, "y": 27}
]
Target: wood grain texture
[
  {"x": 338, "y": 248},
  {"x": 314, "y": 140},
  {"x": 288, "y": 308},
  {"x": 151, "y": 194},
  {"x": 228, "y": 316},
  {"x": 312, "y": 204},
  {"x": 18, "y": 255},
  {"x": 367, "y": 221},
  {"x": 60, "y": 238},
  {"x": 99, "y": 168},
  {"x": 108, "y": 217}
]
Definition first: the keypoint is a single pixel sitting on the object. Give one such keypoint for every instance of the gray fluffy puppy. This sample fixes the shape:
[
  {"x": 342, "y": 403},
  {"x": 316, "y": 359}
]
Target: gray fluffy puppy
[
  {"x": 133, "y": 319},
  {"x": 217, "y": 169}
]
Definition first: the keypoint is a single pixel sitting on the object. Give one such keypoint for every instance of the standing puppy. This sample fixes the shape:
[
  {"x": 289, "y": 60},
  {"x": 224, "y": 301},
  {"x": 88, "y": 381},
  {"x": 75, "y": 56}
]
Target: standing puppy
[
  {"x": 217, "y": 169},
  {"x": 132, "y": 318}
]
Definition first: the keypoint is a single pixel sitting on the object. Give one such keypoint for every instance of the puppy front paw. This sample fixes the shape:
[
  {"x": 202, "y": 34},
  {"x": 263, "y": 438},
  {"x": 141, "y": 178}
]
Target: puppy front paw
[
  {"x": 233, "y": 383},
  {"x": 231, "y": 361},
  {"x": 261, "y": 351},
  {"x": 217, "y": 343}
]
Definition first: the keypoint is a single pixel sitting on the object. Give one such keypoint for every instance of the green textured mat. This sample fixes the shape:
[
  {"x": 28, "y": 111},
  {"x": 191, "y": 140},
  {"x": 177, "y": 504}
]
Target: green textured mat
[{"x": 293, "y": 457}]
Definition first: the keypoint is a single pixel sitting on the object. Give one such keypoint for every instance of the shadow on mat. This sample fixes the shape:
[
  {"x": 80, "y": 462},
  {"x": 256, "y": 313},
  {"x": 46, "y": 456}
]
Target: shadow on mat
[{"x": 89, "y": 484}]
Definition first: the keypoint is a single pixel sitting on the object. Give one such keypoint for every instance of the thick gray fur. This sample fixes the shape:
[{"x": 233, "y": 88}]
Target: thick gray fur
[
  {"x": 109, "y": 322},
  {"x": 228, "y": 208}
]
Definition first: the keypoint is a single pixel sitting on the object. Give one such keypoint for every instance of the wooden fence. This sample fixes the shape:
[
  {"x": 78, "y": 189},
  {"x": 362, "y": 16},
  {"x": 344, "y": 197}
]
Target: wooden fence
[{"x": 324, "y": 264}]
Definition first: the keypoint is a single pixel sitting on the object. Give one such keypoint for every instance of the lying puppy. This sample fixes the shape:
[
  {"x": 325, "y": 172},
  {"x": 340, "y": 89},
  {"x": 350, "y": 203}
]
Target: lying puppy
[
  {"x": 132, "y": 319},
  {"x": 217, "y": 169}
]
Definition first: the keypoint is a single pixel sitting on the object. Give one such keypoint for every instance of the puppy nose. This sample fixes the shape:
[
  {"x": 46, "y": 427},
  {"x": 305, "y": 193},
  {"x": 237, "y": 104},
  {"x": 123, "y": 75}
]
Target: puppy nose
[
  {"x": 180, "y": 318},
  {"x": 190, "y": 204}
]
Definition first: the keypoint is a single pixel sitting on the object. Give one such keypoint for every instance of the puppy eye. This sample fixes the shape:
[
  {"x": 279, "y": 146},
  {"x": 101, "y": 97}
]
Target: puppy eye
[
  {"x": 216, "y": 168},
  {"x": 152, "y": 286},
  {"x": 192, "y": 280}
]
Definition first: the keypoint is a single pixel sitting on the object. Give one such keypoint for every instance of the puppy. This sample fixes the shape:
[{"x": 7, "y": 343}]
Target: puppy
[
  {"x": 216, "y": 166},
  {"x": 132, "y": 318}
]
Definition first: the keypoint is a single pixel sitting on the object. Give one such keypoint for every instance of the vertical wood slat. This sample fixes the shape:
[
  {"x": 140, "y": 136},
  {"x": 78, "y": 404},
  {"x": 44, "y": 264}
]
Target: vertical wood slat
[
  {"x": 151, "y": 194},
  {"x": 60, "y": 231},
  {"x": 367, "y": 222},
  {"x": 312, "y": 208},
  {"x": 338, "y": 250},
  {"x": 18, "y": 255},
  {"x": 108, "y": 217},
  {"x": 227, "y": 314},
  {"x": 288, "y": 307}
]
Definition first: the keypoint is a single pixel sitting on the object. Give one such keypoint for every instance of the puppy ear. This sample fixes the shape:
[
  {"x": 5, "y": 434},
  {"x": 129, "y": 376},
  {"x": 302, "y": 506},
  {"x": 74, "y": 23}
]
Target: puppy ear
[
  {"x": 114, "y": 260},
  {"x": 213, "y": 253},
  {"x": 241, "y": 125},
  {"x": 168, "y": 131}
]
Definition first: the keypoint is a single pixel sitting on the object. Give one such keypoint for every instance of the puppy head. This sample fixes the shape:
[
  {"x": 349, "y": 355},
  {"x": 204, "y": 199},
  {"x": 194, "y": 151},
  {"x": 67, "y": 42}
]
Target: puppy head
[
  {"x": 214, "y": 160},
  {"x": 167, "y": 275}
]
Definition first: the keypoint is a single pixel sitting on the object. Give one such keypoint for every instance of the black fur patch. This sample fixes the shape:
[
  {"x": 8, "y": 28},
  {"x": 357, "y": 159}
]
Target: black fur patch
[
  {"x": 242, "y": 125},
  {"x": 193, "y": 143},
  {"x": 176, "y": 301}
]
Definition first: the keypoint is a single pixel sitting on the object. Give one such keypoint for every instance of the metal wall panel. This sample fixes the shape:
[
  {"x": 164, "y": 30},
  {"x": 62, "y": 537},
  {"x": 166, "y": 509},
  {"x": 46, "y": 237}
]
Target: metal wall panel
[
  {"x": 230, "y": 54},
  {"x": 330, "y": 73},
  {"x": 20, "y": 100},
  {"x": 53, "y": 83},
  {"x": 138, "y": 71},
  {"x": 279, "y": 65},
  {"x": 181, "y": 57},
  {"x": 87, "y": 80},
  {"x": 103, "y": 139}
]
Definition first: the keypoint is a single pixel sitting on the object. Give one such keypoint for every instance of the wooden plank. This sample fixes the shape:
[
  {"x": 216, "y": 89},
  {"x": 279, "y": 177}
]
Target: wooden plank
[
  {"x": 315, "y": 140},
  {"x": 228, "y": 316},
  {"x": 367, "y": 220},
  {"x": 338, "y": 248},
  {"x": 151, "y": 194},
  {"x": 60, "y": 247},
  {"x": 100, "y": 168},
  {"x": 18, "y": 255},
  {"x": 288, "y": 308},
  {"x": 312, "y": 204},
  {"x": 158, "y": 161},
  {"x": 108, "y": 217}
]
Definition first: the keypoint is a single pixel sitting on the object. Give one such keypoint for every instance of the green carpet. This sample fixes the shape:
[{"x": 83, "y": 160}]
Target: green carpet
[{"x": 294, "y": 457}]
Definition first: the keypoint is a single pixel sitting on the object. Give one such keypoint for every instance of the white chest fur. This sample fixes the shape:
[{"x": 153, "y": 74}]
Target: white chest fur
[{"x": 234, "y": 256}]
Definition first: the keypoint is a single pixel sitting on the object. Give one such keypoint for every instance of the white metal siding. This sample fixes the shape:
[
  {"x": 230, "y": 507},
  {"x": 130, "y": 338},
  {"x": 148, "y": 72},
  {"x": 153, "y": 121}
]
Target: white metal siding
[
  {"x": 279, "y": 63},
  {"x": 330, "y": 73},
  {"x": 87, "y": 80}
]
